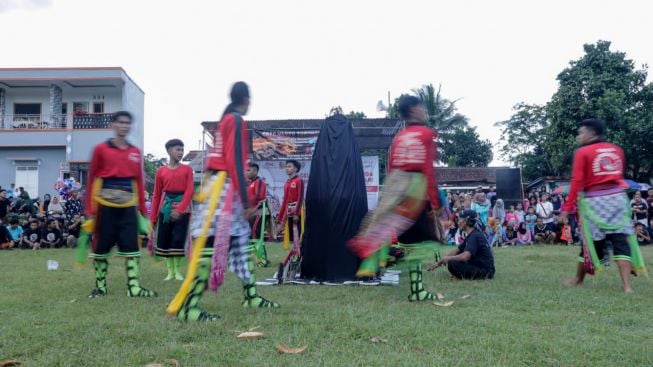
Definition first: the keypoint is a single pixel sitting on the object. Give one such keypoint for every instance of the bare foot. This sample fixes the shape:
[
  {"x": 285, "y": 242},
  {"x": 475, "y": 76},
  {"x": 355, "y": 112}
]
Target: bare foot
[
  {"x": 572, "y": 282},
  {"x": 629, "y": 290}
]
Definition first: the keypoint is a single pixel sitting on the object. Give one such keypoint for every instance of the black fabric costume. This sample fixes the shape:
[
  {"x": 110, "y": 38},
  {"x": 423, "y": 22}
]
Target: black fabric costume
[{"x": 336, "y": 202}]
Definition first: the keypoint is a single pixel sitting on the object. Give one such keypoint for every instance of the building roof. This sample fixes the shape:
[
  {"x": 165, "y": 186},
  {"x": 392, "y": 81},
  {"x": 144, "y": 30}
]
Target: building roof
[
  {"x": 458, "y": 175},
  {"x": 71, "y": 76}
]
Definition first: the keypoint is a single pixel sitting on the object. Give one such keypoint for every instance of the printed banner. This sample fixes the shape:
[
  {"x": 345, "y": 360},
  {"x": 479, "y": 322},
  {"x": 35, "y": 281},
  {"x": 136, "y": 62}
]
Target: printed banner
[
  {"x": 278, "y": 145},
  {"x": 274, "y": 175}
]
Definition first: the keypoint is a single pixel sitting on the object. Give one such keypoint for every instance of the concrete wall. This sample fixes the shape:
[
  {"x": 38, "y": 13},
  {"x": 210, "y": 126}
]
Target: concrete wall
[
  {"x": 48, "y": 161},
  {"x": 83, "y": 142},
  {"x": 133, "y": 100}
]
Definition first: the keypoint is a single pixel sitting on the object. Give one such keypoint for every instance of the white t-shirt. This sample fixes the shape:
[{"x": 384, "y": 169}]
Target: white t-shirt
[{"x": 544, "y": 211}]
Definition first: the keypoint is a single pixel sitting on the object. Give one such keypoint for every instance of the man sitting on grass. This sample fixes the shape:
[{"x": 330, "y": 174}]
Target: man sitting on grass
[
  {"x": 33, "y": 236},
  {"x": 543, "y": 233},
  {"x": 473, "y": 258},
  {"x": 52, "y": 235}
]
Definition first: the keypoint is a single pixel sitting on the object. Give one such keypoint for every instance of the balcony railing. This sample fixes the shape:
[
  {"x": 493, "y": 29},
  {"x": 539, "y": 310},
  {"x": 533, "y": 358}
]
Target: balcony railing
[{"x": 57, "y": 121}]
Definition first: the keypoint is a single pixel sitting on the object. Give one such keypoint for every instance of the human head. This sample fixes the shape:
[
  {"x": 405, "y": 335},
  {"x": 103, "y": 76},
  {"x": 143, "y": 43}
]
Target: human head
[
  {"x": 520, "y": 206},
  {"x": 175, "y": 149},
  {"x": 51, "y": 223},
  {"x": 639, "y": 226},
  {"x": 121, "y": 122},
  {"x": 531, "y": 210},
  {"x": 499, "y": 203},
  {"x": 493, "y": 189},
  {"x": 650, "y": 194},
  {"x": 21, "y": 189},
  {"x": 55, "y": 200},
  {"x": 74, "y": 193},
  {"x": 77, "y": 217},
  {"x": 412, "y": 109},
  {"x": 252, "y": 170},
  {"x": 539, "y": 221},
  {"x": 545, "y": 197},
  {"x": 554, "y": 198},
  {"x": 511, "y": 208},
  {"x": 637, "y": 196},
  {"x": 292, "y": 167},
  {"x": 13, "y": 222},
  {"x": 522, "y": 227},
  {"x": 479, "y": 189},
  {"x": 590, "y": 130},
  {"x": 467, "y": 219},
  {"x": 34, "y": 224},
  {"x": 13, "y": 185},
  {"x": 239, "y": 96},
  {"x": 3, "y": 193},
  {"x": 47, "y": 197}
]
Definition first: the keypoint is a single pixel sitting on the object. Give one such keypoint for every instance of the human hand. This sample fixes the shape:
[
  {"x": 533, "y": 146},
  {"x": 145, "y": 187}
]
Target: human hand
[{"x": 174, "y": 215}]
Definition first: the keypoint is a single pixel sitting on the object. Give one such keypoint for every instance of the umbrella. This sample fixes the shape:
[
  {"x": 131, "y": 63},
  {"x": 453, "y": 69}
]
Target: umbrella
[
  {"x": 561, "y": 190},
  {"x": 644, "y": 186},
  {"x": 632, "y": 185}
]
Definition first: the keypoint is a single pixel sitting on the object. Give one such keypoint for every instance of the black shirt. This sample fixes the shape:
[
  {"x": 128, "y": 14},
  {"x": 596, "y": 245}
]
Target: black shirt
[
  {"x": 5, "y": 236},
  {"x": 476, "y": 244},
  {"x": 34, "y": 235},
  {"x": 4, "y": 205},
  {"x": 74, "y": 231},
  {"x": 641, "y": 206},
  {"x": 52, "y": 235},
  {"x": 542, "y": 230}
]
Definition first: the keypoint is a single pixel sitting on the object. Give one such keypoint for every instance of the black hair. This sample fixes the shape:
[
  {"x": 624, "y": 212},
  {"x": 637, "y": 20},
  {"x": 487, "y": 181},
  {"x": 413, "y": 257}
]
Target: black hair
[
  {"x": 406, "y": 103},
  {"x": 239, "y": 92},
  {"x": 3, "y": 190},
  {"x": 174, "y": 143},
  {"x": 119, "y": 114},
  {"x": 596, "y": 125},
  {"x": 51, "y": 220},
  {"x": 254, "y": 165},
  {"x": 294, "y": 163},
  {"x": 13, "y": 221}
]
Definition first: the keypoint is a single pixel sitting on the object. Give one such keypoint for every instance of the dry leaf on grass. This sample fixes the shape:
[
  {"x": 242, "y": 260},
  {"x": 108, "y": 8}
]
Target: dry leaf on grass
[
  {"x": 154, "y": 365},
  {"x": 10, "y": 363},
  {"x": 378, "y": 339},
  {"x": 592, "y": 312},
  {"x": 173, "y": 362},
  {"x": 250, "y": 335},
  {"x": 282, "y": 348},
  {"x": 466, "y": 296},
  {"x": 443, "y": 304},
  {"x": 439, "y": 296},
  {"x": 168, "y": 362}
]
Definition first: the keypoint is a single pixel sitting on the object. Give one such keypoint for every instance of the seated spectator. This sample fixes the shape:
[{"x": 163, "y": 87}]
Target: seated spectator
[
  {"x": 74, "y": 228},
  {"x": 511, "y": 234},
  {"x": 73, "y": 205},
  {"x": 497, "y": 234},
  {"x": 32, "y": 237},
  {"x": 524, "y": 235},
  {"x": 519, "y": 212},
  {"x": 473, "y": 258},
  {"x": 43, "y": 207},
  {"x": 566, "y": 235},
  {"x": 543, "y": 233},
  {"x": 640, "y": 209},
  {"x": 52, "y": 237},
  {"x": 511, "y": 216},
  {"x": 15, "y": 230},
  {"x": 55, "y": 208},
  {"x": 6, "y": 242},
  {"x": 481, "y": 206},
  {"x": 643, "y": 237},
  {"x": 5, "y": 204}
]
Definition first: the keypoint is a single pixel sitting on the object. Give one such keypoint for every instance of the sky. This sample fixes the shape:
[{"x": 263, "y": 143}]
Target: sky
[{"x": 300, "y": 58}]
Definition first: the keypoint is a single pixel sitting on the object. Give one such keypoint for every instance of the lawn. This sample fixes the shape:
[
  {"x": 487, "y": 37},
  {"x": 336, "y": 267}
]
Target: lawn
[{"x": 521, "y": 318}]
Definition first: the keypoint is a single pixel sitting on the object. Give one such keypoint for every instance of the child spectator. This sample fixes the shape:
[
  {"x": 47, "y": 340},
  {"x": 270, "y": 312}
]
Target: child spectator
[
  {"x": 15, "y": 230},
  {"x": 543, "y": 233},
  {"x": 497, "y": 233},
  {"x": 565, "y": 233},
  {"x": 511, "y": 216},
  {"x": 643, "y": 238},
  {"x": 520, "y": 213},
  {"x": 52, "y": 235},
  {"x": 640, "y": 209},
  {"x": 511, "y": 234},
  {"x": 530, "y": 220},
  {"x": 6, "y": 242},
  {"x": 524, "y": 235},
  {"x": 499, "y": 212},
  {"x": 32, "y": 237}
]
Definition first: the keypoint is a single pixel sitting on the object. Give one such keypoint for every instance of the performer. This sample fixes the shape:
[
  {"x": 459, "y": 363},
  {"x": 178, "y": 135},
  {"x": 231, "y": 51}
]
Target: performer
[
  {"x": 220, "y": 229},
  {"x": 603, "y": 206},
  {"x": 290, "y": 213},
  {"x": 256, "y": 192},
  {"x": 114, "y": 200},
  {"x": 409, "y": 200},
  {"x": 171, "y": 208}
]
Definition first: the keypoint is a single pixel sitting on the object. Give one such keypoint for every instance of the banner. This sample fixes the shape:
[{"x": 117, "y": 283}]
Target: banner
[
  {"x": 274, "y": 175},
  {"x": 279, "y": 145}
]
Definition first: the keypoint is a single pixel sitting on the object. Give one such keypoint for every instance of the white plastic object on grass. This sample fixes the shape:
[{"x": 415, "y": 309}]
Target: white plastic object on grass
[{"x": 53, "y": 265}]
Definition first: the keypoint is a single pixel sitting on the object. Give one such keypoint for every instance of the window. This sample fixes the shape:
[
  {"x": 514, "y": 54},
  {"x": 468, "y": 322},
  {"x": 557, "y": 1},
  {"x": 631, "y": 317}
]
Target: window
[
  {"x": 98, "y": 107},
  {"x": 64, "y": 108},
  {"x": 27, "y": 177},
  {"x": 27, "y": 108},
  {"x": 80, "y": 108}
]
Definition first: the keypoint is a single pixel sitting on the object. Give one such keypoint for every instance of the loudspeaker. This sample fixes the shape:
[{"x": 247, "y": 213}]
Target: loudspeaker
[{"x": 509, "y": 186}]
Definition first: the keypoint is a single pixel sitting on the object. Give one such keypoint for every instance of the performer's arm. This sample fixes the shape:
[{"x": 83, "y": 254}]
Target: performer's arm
[
  {"x": 188, "y": 191},
  {"x": 300, "y": 197},
  {"x": 239, "y": 157},
  {"x": 577, "y": 181},
  {"x": 262, "y": 192},
  {"x": 284, "y": 204},
  {"x": 141, "y": 190},
  {"x": 431, "y": 156},
  {"x": 156, "y": 196},
  {"x": 96, "y": 161}
]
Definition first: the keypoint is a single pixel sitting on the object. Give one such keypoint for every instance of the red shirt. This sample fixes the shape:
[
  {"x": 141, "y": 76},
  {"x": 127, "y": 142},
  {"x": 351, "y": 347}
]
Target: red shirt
[
  {"x": 230, "y": 151},
  {"x": 256, "y": 191},
  {"x": 170, "y": 180},
  {"x": 293, "y": 192},
  {"x": 598, "y": 165},
  {"x": 109, "y": 161},
  {"x": 413, "y": 150}
]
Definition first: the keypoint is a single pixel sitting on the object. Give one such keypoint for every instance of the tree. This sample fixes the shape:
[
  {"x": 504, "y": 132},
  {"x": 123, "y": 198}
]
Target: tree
[
  {"x": 353, "y": 115},
  {"x": 603, "y": 84},
  {"x": 151, "y": 164},
  {"x": 464, "y": 148}
]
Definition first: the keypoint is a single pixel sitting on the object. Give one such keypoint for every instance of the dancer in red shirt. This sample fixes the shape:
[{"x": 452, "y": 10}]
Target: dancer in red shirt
[
  {"x": 290, "y": 213},
  {"x": 114, "y": 199},
  {"x": 603, "y": 206},
  {"x": 219, "y": 227},
  {"x": 256, "y": 192},
  {"x": 409, "y": 200},
  {"x": 171, "y": 208}
]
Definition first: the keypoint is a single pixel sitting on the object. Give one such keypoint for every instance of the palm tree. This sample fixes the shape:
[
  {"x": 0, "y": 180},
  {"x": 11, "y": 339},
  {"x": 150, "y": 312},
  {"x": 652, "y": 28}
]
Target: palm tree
[{"x": 443, "y": 116}]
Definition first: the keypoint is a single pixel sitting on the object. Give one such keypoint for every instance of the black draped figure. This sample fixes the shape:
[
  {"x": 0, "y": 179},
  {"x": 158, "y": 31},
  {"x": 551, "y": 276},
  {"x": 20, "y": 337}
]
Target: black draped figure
[{"x": 336, "y": 202}]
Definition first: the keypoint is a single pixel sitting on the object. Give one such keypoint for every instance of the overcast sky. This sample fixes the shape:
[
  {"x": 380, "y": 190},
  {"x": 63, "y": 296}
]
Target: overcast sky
[{"x": 300, "y": 58}]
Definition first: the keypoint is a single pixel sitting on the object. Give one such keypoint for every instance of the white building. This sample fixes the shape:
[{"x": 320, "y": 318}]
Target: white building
[{"x": 51, "y": 118}]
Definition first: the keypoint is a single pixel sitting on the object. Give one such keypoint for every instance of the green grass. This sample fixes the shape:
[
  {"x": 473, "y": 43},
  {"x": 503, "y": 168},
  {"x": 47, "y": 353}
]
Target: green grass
[{"x": 521, "y": 318}]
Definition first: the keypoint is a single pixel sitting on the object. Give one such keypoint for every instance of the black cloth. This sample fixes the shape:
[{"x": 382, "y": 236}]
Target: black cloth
[
  {"x": 53, "y": 235},
  {"x": 5, "y": 236},
  {"x": 4, "y": 207},
  {"x": 116, "y": 226},
  {"x": 641, "y": 206},
  {"x": 476, "y": 244},
  {"x": 465, "y": 270},
  {"x": 619, "y": 242},
  {"x": 171, "y": 236},
  {"x": 422, "y": 230},
  {"x": 34, "y": 235},
  {"x": 336, "y": 202},
  {"x": 537, "y": 230}
]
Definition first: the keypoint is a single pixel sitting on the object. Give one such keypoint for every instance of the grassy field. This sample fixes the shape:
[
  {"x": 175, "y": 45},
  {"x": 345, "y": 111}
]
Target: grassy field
[{"x": 521, "y": 318}]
